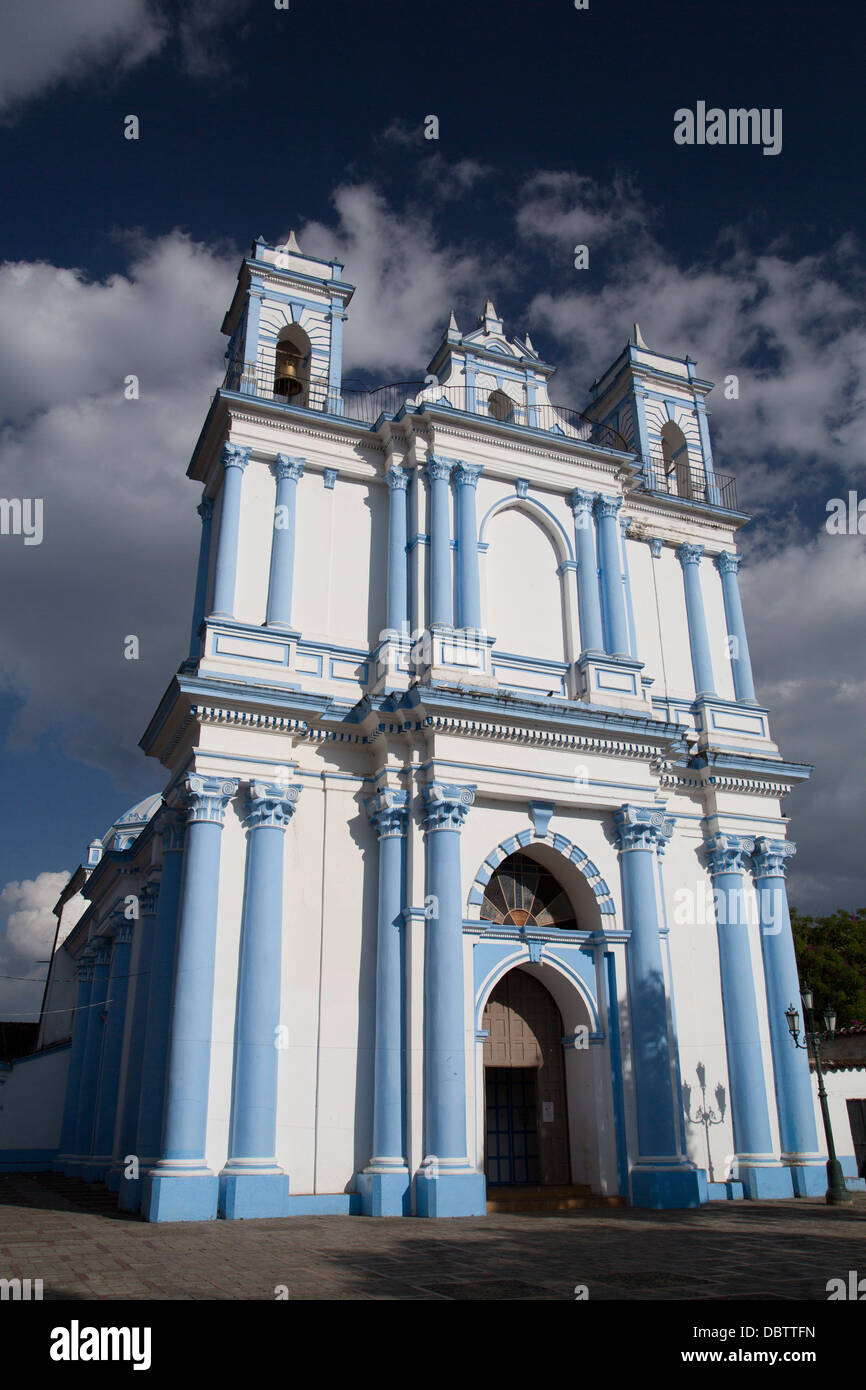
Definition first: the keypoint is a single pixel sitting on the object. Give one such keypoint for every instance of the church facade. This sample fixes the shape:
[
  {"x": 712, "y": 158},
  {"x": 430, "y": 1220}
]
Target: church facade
[{"x": 468, "y": 873}]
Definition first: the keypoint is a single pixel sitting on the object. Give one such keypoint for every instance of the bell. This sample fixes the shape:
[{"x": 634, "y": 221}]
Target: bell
[{"x": 289, "y": 377}]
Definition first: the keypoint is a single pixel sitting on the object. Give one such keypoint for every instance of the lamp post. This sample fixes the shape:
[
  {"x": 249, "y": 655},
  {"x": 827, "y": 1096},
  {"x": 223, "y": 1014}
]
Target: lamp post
[{"x": 837, "y": 1192}]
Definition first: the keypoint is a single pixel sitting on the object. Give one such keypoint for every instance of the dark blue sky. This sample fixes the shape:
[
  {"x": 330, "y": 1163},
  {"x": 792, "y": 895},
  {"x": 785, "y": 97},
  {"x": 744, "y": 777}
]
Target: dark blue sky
[{"x": 251, "y": 118}]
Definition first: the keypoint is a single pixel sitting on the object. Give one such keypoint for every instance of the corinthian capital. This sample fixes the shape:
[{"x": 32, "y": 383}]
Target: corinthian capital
[
  {"x": 768, "y": 859},
  {"x": 271, "y": 804},
  {"x": 581, "y": 501},
  {"x": 445, "y": 806},
  {"x": 467, "y": 474},
  {"x": 388, "y": 813},
  {"x": 689, "y": 554},
  {"x": 235, "y": 455},
  {"x": 438, "y": 469},
  {"x": 640, "y": 827},
  {"x": 396, "y": 479},
  {"x": 728, "y": 562},
  {"x": 728, "y": 854},
  {"x": 286, "y": 467},
  {"x": 206, "y": 798},
  {"x": 606, "y": 506}
]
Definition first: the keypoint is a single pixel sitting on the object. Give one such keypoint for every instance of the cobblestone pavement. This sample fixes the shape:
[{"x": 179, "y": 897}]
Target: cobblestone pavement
[{"x": 82, "y": 1248}]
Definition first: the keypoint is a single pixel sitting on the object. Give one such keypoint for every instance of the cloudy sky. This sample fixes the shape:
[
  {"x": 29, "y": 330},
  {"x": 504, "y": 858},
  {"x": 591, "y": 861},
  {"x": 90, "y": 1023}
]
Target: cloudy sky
[{"x": 555, "y": 129}]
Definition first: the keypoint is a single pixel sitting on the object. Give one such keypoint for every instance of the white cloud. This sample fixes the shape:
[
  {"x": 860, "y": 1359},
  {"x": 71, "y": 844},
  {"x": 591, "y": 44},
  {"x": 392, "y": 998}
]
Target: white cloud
[
  {"x": 58, "y": 41},
  {"x": 27, "y": 927}
]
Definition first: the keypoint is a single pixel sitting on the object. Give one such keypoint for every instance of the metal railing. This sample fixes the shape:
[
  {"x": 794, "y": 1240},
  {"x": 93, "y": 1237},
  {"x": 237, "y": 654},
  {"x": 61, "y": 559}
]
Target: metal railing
[
  {"x": 367, "y": 406},
  {"x": 689, "y": 483}
]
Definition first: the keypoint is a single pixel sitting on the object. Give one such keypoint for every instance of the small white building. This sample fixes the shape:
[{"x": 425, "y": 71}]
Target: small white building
[{"x": 469, "y": 867}]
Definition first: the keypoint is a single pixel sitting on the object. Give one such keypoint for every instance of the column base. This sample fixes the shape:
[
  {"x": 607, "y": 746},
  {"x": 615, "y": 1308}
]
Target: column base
[
  {"x": 668, "y": 1189},
  {"x": 252, "y": 1196},
  {"x": 94, "y": 1169},
  {"x": 385, "y": 1193},
  {"x": 808, "y": 1179},
  {"x": 180, "y": 1196},
  {"x": 451, "y": 1194},
  {"x": 764, "y": 1182}
]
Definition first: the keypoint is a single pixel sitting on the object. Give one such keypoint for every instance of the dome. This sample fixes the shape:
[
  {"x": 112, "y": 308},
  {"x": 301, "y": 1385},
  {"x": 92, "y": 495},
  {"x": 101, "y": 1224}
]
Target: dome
[{"x": 128, "y": 826}]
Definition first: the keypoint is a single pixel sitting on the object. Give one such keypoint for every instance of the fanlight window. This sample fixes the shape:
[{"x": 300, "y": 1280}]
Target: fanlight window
[{"x": 522, "y": 893}]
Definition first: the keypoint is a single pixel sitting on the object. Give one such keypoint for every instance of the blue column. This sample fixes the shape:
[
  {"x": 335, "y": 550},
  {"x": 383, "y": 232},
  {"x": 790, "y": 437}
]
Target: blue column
[
  {"x": 641, "y": 432},
  {"x": 130, "y": 1098},
  {"x": 112, "y": 1046},
  {"x": 66, "y": 1150},
  {"x": 588, "y": 592},
  {"x": 624, "y": 523},
  {"x": 438, "y": 475},
  {"x": 289, "y": 471},
  {"x": 706, "y": 452},
  {"x": 335, "y": 359},
  {"x": 171, "y": 828},
  {"x": 181, "y": 1187},
  {"x": 205, "y": 511},
  {"x": 741, "y": 663},
  {"x": 610, "y": 566},
  {"x": 754, "y": 1164},
  {"x": 468, "y": 583},
  {"x": 397, "y": 615},
  {"x": 83, "y": 1145},
  {"x": 447, "y": 1184},
  {"x": 689, "y": 557},
  {"x": 793, "y": 1082},
  {"x": 249, "y": 382},
  {"x": 252, "y": 1184},
  {"x": 234, "y": 461},
  {"x": 662, "y": 1176},
  {"x": 384, "y": 1184}
]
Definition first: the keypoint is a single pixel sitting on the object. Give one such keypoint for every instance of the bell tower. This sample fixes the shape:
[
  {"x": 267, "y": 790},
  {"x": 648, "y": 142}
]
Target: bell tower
[{"x": 285, "y": 327}]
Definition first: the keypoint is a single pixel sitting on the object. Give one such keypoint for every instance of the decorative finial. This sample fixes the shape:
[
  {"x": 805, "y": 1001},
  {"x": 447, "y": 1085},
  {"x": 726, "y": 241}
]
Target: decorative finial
[
  {"x": 292, "y": 243},
  {"x": 638, "y": 337},
  {"x": 452, "y": 324}
]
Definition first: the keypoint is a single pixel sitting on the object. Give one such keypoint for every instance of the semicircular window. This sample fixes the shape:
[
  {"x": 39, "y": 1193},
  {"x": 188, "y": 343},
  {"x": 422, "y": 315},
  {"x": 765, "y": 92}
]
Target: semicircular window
[{"x": 522, "y": 893}]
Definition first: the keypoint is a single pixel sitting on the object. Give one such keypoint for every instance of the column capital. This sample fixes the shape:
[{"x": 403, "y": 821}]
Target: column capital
[
  {"x": 768, "y": 857},
  {"x": 656, "y": 545},
  {"x": 84, "y": 968},
  {"x": 206, "y": 798},
  {"x": 624, "y": 523},
  {"x": 606, "y": 506},
  {"x": 580, "y": 501},
  {"x": 124, "y": 932},
  {"x": 445, "y": 806},
  {"x": 271, "y": 804},
  {"x": 287, "y": 467},
  {"x": 235, "y": 456},
  {"x": 640, "y": 827},
  {"x": 689, "y": 554},
  {"x": 169, "y": 823},
  {"x": 388, "y": 812},
  {"x": 147, "y": 898},
  {"x": 728, "y": 854},
  {"x": 101, "y": 954},
  {"x": 438, "y": 469},
  {"x": 467, "y": 475},
  {"x": 205, "y": 509},
  {"x": 396, "y": 478},
  {"x": 728, "y": 562}
]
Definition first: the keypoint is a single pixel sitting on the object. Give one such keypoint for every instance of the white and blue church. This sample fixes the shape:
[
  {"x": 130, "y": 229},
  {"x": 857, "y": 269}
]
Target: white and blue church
[{"x": 467, "y": 877}]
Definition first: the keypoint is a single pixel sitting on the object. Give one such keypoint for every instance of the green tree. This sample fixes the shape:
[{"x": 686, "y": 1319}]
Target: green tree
[{"x": 831, "y": 957}]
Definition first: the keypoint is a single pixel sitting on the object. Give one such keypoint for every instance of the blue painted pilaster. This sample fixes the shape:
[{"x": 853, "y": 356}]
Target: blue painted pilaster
[
  {"x": 438, "y": 473},
  {"x": 706, "y": 451},
  {"x": 447, "y": 1184},
  {"x": 252, "y": 1184},
  {"x": 641, "y": 431},
  {"x": 468, "y": 582},
  {"x": 205, "y": 511},
  {"x": 588, "y": 592},
  {"x": 793, "y": 1082},
  {"x": 181, "y": 1187},
  {"x": 288, "y": 471},
  {"x": 397, "y": 615},
  {"x": 171, "y": 828},
  {"x": 130, "y": 1099},
  {"x": 234, "y": 461},
  {"x": 83, "y": 1145},
  {"x": 689, "y": 557},
  {"x": 624, "y": 523},
  {"x": 112, "y": 1045},
  {"x": 606, "y": 510},
  {"x": 384, "y": 1184},
  {"x": 727, "y": 563},
  {"x": 66, "y": 1149},
  {"x": 249, "y": 380},
  {"x": 335, "y": 359},
  {"x": 754, "y": 1164},
  {"x": 662, "y": 1176}
]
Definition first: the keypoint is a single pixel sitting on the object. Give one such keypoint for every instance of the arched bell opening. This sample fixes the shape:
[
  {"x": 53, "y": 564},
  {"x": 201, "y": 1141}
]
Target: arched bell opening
[
  {"x": 675, "y": 455},
  {"x": 292, "y": 366}
]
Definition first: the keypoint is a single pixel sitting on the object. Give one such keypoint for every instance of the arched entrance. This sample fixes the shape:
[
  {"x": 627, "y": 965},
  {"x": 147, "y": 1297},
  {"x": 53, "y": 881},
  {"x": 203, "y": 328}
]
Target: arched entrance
[{"x": 526, "y": 1119}]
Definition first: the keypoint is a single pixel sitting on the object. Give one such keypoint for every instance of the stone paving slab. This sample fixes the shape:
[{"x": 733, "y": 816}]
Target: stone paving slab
[{"x": 753, "y": 1251}]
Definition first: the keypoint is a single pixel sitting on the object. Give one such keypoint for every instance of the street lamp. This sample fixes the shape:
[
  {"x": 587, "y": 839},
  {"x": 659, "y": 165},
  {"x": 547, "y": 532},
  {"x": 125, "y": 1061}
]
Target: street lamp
[{"x": 837, "y": 1192}]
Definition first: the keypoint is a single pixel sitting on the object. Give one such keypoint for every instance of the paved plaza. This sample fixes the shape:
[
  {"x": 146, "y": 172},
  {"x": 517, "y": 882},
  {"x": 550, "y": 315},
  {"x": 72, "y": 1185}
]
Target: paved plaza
[{"x": 69, "y": 1234}]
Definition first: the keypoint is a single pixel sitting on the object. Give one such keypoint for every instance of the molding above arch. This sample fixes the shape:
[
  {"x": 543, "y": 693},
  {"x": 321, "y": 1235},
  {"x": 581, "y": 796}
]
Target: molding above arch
[
  {"x": 537, "y": 512},
  {"x": 522, "y": 840}
]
